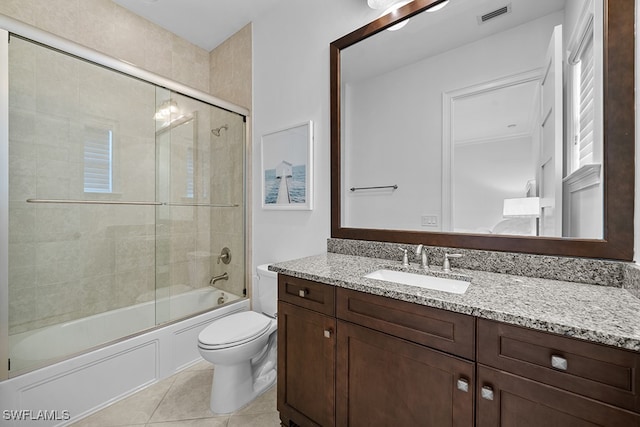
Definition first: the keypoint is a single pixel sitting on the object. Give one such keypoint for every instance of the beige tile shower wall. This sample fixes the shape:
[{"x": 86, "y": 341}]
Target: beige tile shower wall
[
  {"x": 231, "y": 68},
  {"x": 70, "y": 261},
  {"x": 111, "y": 29},
  {"x": 183, "y": 250},
  {"x": 227, "y": 224},
  {"x": 101, "y": 259},
  {"x": 231, "y": 77}
]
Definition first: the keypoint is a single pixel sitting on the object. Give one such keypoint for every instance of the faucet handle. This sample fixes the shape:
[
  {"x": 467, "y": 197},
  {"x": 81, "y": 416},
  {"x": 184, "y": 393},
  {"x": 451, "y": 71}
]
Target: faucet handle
[
  {"x": 405, "y": 257},
  {"x": 446, "y": 267},
  {"x": 225, "y": 256}
]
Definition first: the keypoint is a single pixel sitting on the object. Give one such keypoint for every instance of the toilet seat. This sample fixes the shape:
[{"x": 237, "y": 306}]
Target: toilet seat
[{"x": 233, "y": 330}]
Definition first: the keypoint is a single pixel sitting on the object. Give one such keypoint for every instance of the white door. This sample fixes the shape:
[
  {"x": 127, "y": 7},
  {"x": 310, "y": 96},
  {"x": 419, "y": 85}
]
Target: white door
[{"x": 550, "y": 168}]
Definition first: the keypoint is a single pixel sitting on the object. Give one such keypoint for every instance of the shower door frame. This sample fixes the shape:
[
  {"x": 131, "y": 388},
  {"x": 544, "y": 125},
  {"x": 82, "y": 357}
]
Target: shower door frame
[{"x": 10, "y": 26}]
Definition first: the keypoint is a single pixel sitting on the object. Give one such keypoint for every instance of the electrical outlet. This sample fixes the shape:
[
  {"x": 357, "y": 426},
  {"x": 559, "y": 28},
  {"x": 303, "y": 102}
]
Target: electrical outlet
[{"x": 429, "y": 220}]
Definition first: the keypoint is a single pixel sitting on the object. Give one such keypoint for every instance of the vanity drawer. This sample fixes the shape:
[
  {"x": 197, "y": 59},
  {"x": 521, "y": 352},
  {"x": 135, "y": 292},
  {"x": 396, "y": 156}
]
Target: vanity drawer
[
  {"x": 308, "y": 294},
  {"x": 440, "y": 329},
  {"x": 609, "y": 374}
]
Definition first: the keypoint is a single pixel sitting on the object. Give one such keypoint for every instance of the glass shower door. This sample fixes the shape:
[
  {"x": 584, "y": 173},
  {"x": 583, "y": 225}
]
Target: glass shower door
[
  {"x": 200, "y": 185},
  {"x": 81, "y": 205}
]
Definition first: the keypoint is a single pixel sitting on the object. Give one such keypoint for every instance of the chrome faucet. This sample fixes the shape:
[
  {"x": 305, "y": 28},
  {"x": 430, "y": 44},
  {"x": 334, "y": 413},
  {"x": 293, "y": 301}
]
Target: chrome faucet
[
  {"x": 421, "y": 251},
  {"x": 446, "y": 267},
  {"x": 405, "y": 257},
  {"x": 214, "y": 279}
]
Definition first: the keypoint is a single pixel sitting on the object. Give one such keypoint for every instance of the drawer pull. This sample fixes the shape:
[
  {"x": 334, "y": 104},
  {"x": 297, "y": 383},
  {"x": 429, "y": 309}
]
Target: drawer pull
[
  {"x": 328, "y": 332},
  {"x": 559, "y": 362},
  {"x": 486, "y": 393},
  {"x": 303, "y": 293},
  {"x": 463, "y": 385}
]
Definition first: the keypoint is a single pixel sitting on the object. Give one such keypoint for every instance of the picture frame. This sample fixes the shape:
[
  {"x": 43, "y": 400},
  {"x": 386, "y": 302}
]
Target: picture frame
[{"x": 287, "y": 168}]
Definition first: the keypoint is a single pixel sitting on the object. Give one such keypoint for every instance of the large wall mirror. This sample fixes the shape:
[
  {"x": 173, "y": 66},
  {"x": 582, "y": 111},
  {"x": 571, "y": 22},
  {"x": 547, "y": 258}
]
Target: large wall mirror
[{"x": 488, "y": 124}]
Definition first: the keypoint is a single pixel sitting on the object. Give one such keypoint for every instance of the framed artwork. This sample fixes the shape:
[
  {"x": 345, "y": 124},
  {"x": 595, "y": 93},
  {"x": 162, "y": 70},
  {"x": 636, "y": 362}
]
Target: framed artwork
[{"x": 287, "y": 168}]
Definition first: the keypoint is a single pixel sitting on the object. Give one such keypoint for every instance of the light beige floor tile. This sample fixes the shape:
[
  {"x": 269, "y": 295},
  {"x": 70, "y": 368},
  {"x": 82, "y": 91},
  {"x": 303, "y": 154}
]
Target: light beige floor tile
[
  {"x": 266, "y": 402},
  {"x": 201, "y": 365},
  {"x": 270, "y": 419},
  {"x": 188, "y": 397},
  {"x": 135, "y": 409},
  {"x": 202, "y": 422}
]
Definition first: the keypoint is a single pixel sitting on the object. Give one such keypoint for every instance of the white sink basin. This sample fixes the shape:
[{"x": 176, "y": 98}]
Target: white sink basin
[{"x": 421, "y": 280}]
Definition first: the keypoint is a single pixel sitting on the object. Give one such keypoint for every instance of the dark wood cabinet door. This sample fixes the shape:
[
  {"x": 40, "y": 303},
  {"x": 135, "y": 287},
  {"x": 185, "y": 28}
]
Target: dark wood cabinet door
[
  {"x": 508, "y": 400},
  {"x": 607, "y": 374},
  {"x": 387, "y": 381},
  {"x": 306, "y": 366}
]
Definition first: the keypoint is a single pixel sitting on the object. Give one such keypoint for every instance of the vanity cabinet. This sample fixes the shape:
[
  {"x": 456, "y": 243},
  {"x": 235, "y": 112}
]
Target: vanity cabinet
[
  {"x": 306, "y": 352},
  {"x": 347, "y": 358},
  {"x": 389, "y": 367},
  {"x": 532, "y": 378}
]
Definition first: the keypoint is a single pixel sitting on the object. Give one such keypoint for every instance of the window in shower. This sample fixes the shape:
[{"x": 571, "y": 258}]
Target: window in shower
[{"x": 98, "y": 160}]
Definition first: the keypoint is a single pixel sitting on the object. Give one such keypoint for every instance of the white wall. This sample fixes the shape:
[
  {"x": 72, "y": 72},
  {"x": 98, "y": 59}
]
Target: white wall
[
  {"x": 291, "y": 83},
  {"x": 291, "y": 86}
]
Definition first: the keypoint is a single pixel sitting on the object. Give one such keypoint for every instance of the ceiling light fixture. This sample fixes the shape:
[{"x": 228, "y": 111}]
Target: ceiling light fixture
[
  {"x": 380, "y": 4},
  {"x": 438, "y": 7},
  {"x": 392, "y": 9}
]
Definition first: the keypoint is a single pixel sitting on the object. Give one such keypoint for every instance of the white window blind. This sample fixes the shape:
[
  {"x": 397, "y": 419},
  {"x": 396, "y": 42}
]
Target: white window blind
[
  {"x": 586, "y": 104},
  {"x": 98, "y": 156},
  {"x": 582, "y": 60}
]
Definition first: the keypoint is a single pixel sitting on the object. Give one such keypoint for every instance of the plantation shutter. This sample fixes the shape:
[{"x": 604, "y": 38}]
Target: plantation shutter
[
  {"x": 97, "y": 160},
  {"x": 586, "y": 104}
]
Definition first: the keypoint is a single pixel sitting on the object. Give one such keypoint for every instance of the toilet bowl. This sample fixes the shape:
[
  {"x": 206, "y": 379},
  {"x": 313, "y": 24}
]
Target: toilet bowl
[{"x": 242, "y": 348}]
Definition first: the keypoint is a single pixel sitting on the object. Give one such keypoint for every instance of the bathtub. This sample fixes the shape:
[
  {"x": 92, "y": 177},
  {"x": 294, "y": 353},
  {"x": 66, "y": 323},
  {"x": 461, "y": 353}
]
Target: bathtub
[{"x": 78, "y": 386}]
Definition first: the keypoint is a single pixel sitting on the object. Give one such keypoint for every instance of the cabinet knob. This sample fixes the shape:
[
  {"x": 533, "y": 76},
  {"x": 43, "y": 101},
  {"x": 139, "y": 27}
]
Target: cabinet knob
[
  {"x": 486, "y": 393},
  {"x": 463, "y": 385},
  {"x": 303, "y": 293},
  {"x": 328, "y": 332},
  {"x": 559, "y": 362}
]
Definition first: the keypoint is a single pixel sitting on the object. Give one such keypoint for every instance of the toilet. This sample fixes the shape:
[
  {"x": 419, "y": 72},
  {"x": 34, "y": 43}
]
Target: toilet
[{"x": 242, "y": 348}]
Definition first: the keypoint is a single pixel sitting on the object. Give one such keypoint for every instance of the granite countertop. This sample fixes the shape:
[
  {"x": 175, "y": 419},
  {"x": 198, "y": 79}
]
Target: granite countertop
[{"x": 601, "y": 314}]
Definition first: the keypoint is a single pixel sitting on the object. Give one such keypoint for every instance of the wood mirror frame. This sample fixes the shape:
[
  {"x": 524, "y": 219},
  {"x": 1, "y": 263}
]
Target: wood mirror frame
[{"x": 618, "y": 151}]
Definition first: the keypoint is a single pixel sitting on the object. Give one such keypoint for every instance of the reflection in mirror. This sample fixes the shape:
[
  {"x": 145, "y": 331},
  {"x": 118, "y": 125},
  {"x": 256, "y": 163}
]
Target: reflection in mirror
[{"x": 493, "y": 126}]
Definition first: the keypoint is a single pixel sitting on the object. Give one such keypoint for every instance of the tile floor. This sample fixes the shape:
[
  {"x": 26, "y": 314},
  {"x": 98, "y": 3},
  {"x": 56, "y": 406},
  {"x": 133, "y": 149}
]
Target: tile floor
[{"x": 183, "y": 400}]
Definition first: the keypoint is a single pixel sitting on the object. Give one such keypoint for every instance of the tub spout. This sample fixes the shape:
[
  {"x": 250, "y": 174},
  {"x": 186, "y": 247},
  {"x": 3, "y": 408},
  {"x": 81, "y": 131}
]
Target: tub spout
[{"x": 223, "y": 276}]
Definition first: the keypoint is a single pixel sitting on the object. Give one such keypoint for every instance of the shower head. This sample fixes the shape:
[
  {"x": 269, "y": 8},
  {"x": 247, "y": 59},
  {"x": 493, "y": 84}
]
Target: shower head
[{"x": 217, "y": 131}]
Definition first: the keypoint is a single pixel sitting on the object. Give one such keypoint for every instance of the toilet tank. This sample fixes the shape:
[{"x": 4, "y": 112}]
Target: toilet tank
[{"x": 267, "y": 290}]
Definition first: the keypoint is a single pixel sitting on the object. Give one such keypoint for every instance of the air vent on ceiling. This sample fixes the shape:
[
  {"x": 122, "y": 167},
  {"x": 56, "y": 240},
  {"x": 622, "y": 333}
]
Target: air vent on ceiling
[{"x": 494, "y": 14}]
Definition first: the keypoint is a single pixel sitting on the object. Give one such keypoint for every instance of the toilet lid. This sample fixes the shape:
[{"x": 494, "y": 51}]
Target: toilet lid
[{"x": 235, "y": 328}]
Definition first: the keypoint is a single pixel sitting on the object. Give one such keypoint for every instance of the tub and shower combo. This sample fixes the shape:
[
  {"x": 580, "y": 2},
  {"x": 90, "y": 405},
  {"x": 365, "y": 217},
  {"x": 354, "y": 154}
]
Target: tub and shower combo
[{"x": 122, "y": 225}]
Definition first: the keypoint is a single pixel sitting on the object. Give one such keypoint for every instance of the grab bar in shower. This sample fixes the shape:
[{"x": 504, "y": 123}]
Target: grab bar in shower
[
  {"x": 395, "y": 187},
  {"x": 235, "y": 205},
  {"x": 92, "y": 202},
  {"x": 118, "y": 202}
]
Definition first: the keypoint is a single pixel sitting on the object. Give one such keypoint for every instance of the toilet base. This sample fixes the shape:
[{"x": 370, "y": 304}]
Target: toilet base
[
  {"x": 226, "y": 399},
  {"x": 236, "y": 385}
]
